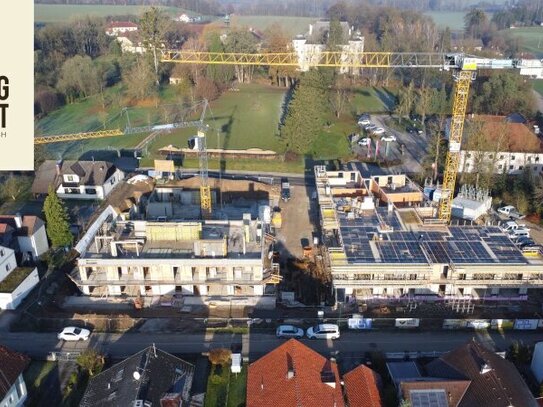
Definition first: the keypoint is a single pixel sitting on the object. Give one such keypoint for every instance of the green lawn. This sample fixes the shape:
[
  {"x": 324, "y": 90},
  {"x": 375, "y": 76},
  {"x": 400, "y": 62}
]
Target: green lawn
[
  {"x": 291, "y": 25},
  {"x": 247, "y": 118},
  {"x": 452, "y": 19},
  {"x": 538, "y": 86},
  {"x": 34, "y": 376},
  {"x": 237, "y": 389},
  {"x": 532, "y": 39},
  {"x": 52, "y": 13},
  {"x": 226, "y": 389}
]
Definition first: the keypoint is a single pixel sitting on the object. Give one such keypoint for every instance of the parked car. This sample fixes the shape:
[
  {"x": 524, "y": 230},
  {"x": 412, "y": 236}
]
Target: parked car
[
  {"x": 370, "y": 127},
  {"x": 363, "y": 121},
  {"x": 378, "y": 130},
  {"x": 285, "y": 190},
  {"x": 527, "y": 243},
  {"x": 366, "y": 141},
  {"x": 414, "y": 130},
  {"x": 511, "y": 212},
  {"x": 522, "y": 239},
  {"x": 388, "y": 137},
  {"x": 510, "y": 225},
  {"x": 72, "y": 333},
  {"x": 323, "y": 331},
  {"x": 518, "y": 233},
  {"x": 289, "y": 331}
]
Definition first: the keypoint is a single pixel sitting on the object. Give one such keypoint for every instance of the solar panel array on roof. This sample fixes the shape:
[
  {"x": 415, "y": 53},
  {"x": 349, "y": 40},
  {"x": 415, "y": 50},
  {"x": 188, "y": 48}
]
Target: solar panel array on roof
[
  {"x": 428, "y": 398},
  {"x": 458, "y": 245}
]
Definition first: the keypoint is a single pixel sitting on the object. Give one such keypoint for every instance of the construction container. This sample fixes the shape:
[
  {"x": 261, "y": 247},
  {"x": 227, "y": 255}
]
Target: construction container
[{"x": 277, "y": 220}]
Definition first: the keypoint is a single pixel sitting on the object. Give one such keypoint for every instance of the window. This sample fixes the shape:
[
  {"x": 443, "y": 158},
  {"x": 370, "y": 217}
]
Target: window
[
  {"x": 511, "y": 167},
  {"x": 1, "y": 252},
  {"x": 70, "y": 178},
  {"x": 112, "y": 180},
  {"x": 520, "y": 167},
  {"x": 8, "y": 267},
  {"x": 537, "y": 159},
  {"x": 513, "y": 158},
  {"x": 500, "y": 167},
  {"x": 501, "y": 157},
  {"x": 90, "y": 191},
  {"x": 468, "y": 155}
]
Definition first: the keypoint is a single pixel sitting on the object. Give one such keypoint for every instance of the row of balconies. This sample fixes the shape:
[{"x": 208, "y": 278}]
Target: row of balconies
[{"x": 102, "y": 277}]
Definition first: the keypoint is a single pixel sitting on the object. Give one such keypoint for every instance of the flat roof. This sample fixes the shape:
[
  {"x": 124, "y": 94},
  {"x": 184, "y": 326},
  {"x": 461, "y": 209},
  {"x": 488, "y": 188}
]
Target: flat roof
[
  {"x": 365, "y": 241},
  {"x": 14, "y": 278}
]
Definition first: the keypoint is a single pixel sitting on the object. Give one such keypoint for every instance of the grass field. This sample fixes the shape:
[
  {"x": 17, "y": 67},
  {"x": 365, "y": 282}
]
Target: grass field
[
  {"x": 52, "y": 13},
  {"x": 532, "y": 39},
  {"x": 538, "y": 86},
  {"x": 247, "y": 118},
  {"x": 291, "y": 25},
  {"x": 452, "y": 19}
]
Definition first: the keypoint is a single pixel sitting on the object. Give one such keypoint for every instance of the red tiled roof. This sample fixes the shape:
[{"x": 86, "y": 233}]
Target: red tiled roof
[
  {"x": 268, "y": 383},
  {"x": 30, "y": 224},
  {"x": 361, "y": 387},
  {"x": 455, "y": 389},
  {"x": 12, "y": 364},
  {"x": 513, "y": 137}
]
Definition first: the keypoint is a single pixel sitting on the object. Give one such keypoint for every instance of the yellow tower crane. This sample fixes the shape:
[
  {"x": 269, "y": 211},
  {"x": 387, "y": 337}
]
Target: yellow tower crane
[{"x": 463, "y": 67}]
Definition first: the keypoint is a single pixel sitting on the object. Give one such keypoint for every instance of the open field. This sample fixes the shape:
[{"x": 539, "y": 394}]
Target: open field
[
  {"x": 51, "y": 13},
  {"x": 291, "y": 25},
  {"x": 532, "y": 39},
  {"x": 247, "y": 118},
  {"x": 452, "y": 19}
]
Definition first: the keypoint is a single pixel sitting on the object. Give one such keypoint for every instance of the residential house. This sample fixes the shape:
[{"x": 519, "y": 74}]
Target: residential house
[
  {"x": 469, "y": 376},
  {"x": 15, "y": 282},
  {"x": 185, "y": 18},
  {"x": 115, "y": 28},
  {"x": 131, "y": 43},
  {"x": 504, "y": 145},
  {"x": 310, "y": 46},
  {"x": 26, "y": 234},
  {"x": 151, "y": 377},
  {"x": 294, "y": 375},
  {"x": 13, "y": 391},
  {"x": 362, "y": 387},
  {"x": 77, "y": 179}
]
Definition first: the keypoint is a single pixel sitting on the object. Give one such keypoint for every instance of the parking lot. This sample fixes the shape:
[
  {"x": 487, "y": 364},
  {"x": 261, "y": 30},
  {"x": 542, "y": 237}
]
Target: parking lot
[{"x": 416, "y": 146}]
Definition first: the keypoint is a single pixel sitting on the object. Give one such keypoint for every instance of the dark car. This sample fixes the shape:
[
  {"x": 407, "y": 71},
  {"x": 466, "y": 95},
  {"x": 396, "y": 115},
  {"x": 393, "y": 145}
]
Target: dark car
[{"x": 285, "y": 189}]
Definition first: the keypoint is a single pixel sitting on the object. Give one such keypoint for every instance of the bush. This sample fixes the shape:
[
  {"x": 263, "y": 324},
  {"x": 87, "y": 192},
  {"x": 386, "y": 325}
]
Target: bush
[{"x": 219, "y": 356}]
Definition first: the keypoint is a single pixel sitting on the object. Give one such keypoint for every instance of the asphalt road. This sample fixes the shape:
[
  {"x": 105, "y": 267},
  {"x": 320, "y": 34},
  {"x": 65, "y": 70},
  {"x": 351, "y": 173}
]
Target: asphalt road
[
  {"x": 416, "y": 147},
  {"x": 255, "y": 345}
]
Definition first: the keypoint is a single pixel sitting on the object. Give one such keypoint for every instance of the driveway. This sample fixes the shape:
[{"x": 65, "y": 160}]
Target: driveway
[{"x": 415, "y": 147}]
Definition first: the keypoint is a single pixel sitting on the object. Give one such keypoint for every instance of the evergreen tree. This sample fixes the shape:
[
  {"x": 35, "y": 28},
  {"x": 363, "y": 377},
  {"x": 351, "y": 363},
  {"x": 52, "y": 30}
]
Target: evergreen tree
[
  {"x": 58, "y": 225},
  {"x": 305, "y": 113}
]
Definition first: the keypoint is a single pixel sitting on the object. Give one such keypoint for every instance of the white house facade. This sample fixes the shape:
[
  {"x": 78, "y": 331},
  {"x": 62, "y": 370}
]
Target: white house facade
[
  {"x": 500, "y": 162},
  {"x": 15, "y": 282},
  {"x": 13, "y": 392}
]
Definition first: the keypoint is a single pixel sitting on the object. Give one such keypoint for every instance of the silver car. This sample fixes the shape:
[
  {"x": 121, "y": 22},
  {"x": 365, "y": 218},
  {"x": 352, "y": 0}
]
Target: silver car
[
  {"x": 72, "y": 333},
  {"x": 289, "y": 331},
  {"x": 323, "y": 331}
]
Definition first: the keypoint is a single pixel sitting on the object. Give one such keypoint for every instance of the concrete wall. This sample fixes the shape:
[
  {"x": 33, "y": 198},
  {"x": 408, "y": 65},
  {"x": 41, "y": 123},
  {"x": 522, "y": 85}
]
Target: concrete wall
[
  {"x": 8, "y": 262},
  {"x": 16, "y": 395},
  {"x": 12, "y": 300},
  {"x": 36, "y": 244}
]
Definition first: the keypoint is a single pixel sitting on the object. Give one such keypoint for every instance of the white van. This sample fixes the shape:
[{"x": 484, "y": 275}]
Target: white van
[
  {"x": 323, "y": 331},
  {"x": 511, "y": 225},
  {"x": 520, "y": 232}
]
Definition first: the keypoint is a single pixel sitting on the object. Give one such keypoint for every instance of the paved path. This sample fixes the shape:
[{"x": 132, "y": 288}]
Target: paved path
[{"x": 255, "y": 345}]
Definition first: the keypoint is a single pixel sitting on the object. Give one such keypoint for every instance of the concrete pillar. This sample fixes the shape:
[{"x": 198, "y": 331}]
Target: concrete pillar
[
  {"x": 203, "y": 290},
  {"x": 258, "y": 290},
  {"x": 142, "y": 290},
  {"x": 229, "y": 290},
  {"x": 85, "y": 289}
]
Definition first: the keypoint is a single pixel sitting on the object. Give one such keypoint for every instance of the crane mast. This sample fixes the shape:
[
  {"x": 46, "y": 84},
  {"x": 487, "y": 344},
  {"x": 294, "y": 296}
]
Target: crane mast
[{"x": 463, "y": 67}]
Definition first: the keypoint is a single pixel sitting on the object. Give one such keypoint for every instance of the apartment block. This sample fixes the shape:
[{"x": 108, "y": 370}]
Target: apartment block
[{"x": 387, "y": 252}]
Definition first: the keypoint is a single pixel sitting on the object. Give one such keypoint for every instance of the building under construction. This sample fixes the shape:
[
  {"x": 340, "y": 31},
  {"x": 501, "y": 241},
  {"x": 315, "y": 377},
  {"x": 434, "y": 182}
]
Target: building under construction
[
  {"x": 387, "y": 252},
  {"x": 161, "y": 245}
]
